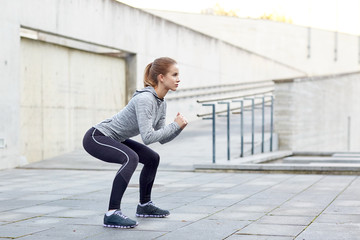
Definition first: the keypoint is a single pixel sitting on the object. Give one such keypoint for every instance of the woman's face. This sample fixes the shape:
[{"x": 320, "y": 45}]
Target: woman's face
[{"x": 171, "y": 79}]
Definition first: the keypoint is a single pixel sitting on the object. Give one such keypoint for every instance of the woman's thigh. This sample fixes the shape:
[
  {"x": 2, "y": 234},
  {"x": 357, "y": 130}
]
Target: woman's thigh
[
  {"x": 147, "y": 156},
  {"x": 106, "y": 148}
]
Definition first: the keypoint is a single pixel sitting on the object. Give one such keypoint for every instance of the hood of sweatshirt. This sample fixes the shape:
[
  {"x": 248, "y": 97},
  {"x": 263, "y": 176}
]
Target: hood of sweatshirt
[{"x": 151, "y": 90}]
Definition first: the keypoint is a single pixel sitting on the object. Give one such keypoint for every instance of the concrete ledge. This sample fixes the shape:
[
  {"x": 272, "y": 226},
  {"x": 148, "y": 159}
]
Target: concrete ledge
[
  {"x": 290, "y": 168},
  {"x": 262, "y": 158},
  {"x": 305, "y": 160},
  {"x": 348, "y": 155},
  {"x": 298, "y": 164}
]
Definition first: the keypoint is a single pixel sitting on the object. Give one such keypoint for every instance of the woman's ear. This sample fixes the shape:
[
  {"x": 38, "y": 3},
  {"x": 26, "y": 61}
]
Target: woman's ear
[{"x": 160, "y": 78}]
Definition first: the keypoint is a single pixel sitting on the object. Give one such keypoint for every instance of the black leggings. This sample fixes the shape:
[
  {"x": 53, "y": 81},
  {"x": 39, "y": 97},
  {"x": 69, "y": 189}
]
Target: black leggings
[{"x": 128, "y": 153}]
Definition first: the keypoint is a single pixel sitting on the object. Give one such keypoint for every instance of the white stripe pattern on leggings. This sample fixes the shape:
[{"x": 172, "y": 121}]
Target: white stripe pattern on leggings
[{"x": 106, "y": 145}]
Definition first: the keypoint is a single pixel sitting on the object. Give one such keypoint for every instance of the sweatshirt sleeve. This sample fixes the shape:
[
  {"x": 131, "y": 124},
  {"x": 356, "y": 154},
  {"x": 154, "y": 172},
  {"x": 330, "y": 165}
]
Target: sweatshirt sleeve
[{"x": 162, "y": 133}]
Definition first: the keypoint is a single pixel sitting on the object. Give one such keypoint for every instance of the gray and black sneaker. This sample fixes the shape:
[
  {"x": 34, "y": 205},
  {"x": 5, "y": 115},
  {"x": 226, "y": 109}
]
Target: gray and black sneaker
[
  {"x": 149, "y": 210},
  {"x": 118, "y": 220}
]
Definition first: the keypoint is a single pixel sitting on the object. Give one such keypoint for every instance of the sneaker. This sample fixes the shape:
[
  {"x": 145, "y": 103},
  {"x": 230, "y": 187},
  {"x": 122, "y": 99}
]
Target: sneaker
[
  {"x": 118, "y": 220},
  {"x": 150, "y": 210}
]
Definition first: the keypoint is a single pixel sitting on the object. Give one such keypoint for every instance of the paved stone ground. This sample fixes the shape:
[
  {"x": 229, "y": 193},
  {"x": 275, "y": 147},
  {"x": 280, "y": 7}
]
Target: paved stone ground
[
  {"x": 66, "y": 197},
  {"x": 69, "y": 204}
]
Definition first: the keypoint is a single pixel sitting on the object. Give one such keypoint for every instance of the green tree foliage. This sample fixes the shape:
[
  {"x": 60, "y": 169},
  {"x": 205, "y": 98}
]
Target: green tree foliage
[
  {"x": 219, "y": 11},
  {"x": 276, "y": 17}
]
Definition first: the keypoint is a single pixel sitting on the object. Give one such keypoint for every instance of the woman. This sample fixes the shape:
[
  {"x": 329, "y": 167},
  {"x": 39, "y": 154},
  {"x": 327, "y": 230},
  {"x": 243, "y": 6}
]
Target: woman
[{"x": 145, "y": 115}]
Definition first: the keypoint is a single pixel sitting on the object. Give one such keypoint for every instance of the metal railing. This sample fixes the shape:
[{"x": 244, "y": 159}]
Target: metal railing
[
  {"x": 265, "y": 101},
  {"x": 213, "y": 129}
]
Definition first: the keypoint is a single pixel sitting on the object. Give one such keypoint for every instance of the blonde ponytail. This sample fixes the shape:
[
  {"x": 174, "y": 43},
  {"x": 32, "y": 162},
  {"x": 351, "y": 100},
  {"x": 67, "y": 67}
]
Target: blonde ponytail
[{"x": 147, "y": 78}]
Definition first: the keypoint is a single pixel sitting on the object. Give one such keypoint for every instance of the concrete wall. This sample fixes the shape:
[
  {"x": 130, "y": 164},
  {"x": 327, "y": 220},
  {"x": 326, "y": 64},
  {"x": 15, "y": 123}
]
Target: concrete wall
[
  {"x": 311, "y": 114},
  {"x": 309, "y": 50},
  {"x": 136, "y": 36},
  {"x": 62, "y": 90}
]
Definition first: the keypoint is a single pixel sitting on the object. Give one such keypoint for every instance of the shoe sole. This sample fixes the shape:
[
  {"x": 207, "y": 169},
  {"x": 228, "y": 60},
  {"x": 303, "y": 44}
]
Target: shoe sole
[
  {"x": 152, "y": 216},
  {"x": 118, "y": 226}
]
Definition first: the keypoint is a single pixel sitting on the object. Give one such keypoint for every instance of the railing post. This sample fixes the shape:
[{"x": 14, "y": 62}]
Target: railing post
[
  {"x": 271, "y": 122},
  {"x": 213, "y": 129},
  {"x": 241, "y": 127},
  {"x": 348, "y": 133},
  {"x": 262, "y": 122},
  {"x": 252, "y": 124},
  {"x": 263, "y": 125},
  {"x": 228, "y": 127}
]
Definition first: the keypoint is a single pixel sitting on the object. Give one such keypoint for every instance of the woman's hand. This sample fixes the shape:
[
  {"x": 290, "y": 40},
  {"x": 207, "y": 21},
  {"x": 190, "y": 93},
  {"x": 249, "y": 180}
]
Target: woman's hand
[{"x": 181, "y": 120}]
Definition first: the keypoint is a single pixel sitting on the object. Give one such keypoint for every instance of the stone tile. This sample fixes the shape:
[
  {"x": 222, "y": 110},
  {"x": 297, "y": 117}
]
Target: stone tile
[
  {"x": 286, "y": 220},
  {"x": 160, "y": 224},
  {"x": 216, "y": 201},
  {"x": 72, "y": 191},
  {"x": 288, "y": 211},
  {"x": 43, "y": 197},
  {"x": 339, "y": 218},
  {"x": 44, "y": 221},
  {"x": 40, "y": 209},
  {"x": 116, "y": 234},
  {"x": 66, "y": 232},
  {"x": 272, "y": 199},
  {"x": 289, "y": 187},
  {"x": 189, "y": 194},
  {"x": 16, "y": 231},
  {"x": 13, "y": 216},
  {"x": 46, "y": 187},
  {"x": 335, "y": 209},
  {"x": 237, "y": 196},
  {"x": 257, "y": 237},
  {"x": 320, "y": 199},
  {"x": 164, "y": 204},
  {"x": 198, "y": 209},
  {"x": 205, "y": 229},
  {"x": 346, "y": 203},
  {"x": 177, "y": 200},
  {"x": 74, "y": 203},
  {"x": 252, "y": 208},
  {"x": 219, "y": 185},
  {"x": 305, "y": 204},
  {"x": 271, "y": 229},
  {"x": 236, "y": 215},
  {"x": 70, "y": 213},
  {"x": 271, "y": 195},
  {"x": 260, "y": 182},
  {"x": 350, "y": 196},
  {"x": 327, "y": 231},
  {"x": 191, "y": 217},
  {"x": 11, "y": 204}
]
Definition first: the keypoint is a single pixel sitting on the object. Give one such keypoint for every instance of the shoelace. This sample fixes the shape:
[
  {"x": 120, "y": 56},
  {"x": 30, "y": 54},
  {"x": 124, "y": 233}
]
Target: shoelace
[
  {"x": 120, "y": 214},
  {"x": 147, "y": 204}
]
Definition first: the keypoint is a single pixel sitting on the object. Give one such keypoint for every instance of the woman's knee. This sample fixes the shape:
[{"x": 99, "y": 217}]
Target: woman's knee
[
  {"x": 133, "y": 160},
  {"x": 155, "y": 159},
  {"x": 129, "y": 167}
]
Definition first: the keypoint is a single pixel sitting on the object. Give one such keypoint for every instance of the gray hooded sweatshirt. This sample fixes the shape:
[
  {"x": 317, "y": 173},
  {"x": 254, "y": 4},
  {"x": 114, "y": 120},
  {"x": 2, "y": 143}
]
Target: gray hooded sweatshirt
[{"x": 144, "y": 115}]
